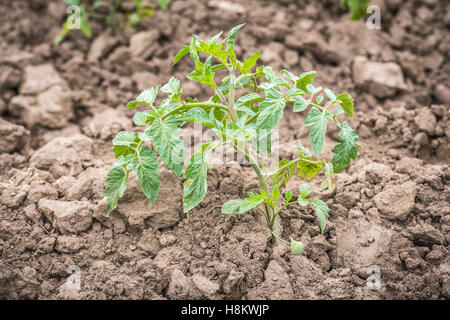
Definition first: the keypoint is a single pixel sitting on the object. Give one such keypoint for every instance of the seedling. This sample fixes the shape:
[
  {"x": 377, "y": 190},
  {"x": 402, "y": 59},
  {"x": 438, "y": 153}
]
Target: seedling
[
  {"x": 246, "y": 107},
  {"x": 81, "y": 14},
  {"x": 358, "y": 8}
]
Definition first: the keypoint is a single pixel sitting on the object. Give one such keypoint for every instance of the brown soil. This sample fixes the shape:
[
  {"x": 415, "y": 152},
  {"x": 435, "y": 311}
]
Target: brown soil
[{"x": 61, "y": 106}]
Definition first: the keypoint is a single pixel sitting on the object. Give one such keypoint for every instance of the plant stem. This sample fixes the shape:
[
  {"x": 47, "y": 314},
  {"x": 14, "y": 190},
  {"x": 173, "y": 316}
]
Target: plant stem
[{"x": 193, "y": 105}]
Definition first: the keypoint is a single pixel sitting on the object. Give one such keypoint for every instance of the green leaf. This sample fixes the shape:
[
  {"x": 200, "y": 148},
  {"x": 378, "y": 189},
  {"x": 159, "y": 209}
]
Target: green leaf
[
  {"x": 330, "y": 180},
  {"x": 294, "y": 92},
  {"x": 313, "y": 90},
  {"x": 184, "y": 51},
  {"x": 285, "y": 170},
  {"x": 331, "y": 96},
  {"x": 238, "y": 206},
  {"x": 304, "y": 190},
  {"x": 193, "y": 50},
  {"x": 271, "y": 110},
  {"x": 296, "y": 247},
  {"x": 195, "y": 186},
  {"x": 304, "y": 152},
  {"x": 248, "y": 98},
  {"x": 318, "y": 120},
  {"x": 84, "y": 25},
  {"x": 200, "y": 116},
  {"x": 289, "y": 75},
  {"x": 346, "y": 150},
  {"x": 164, "y": 4},
  {"x": 358, "y": 8},
  {"x": 319, "y": 99},
  {"x": 301, "y": 104},
  {"x": 171, "y": 87},
  {"x": 116, "y": 184},
  {"x": 251, "y": 61},
  {"x": 321, "y": 209},
  {"x": 232, "y": 36},
  {"x": 233, "y": 207},
  {"x": 122, "y": 151},
  {"x": 237, "y": 133},
  {"x": 304, "y": 79},
  {"x": 125, "y": 138},
  {"x": 302, "y": 202},
  {"x": 308, "y": 169},
  {"x": 166, "y": 139},
  {"x": 146, "y": 168},
  {"x": 147, "y": 97},
  {"x": 347, "y": 103},
  {"x": 288, "y": 195}
]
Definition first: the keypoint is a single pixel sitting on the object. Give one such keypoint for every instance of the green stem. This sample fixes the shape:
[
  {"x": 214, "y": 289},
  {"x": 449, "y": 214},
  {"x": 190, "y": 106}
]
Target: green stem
[
  {"x": 193, "y": 105},
  {"x": 278, "y": 212}
]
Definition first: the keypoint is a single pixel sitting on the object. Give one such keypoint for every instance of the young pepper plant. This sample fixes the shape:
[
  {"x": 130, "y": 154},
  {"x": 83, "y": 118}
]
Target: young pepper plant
[{"x": 246, "y": 107}]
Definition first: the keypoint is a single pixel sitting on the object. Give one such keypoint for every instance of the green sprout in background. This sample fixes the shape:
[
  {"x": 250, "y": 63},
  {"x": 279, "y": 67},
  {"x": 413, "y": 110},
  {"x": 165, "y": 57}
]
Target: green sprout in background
[
  {"x": 112, "y": 17},
  {"x": 358, "y": 8}
]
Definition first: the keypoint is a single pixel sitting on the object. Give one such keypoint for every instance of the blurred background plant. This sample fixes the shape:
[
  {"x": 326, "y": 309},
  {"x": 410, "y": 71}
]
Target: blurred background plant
[
  {"x": 106, "y": 10},
  {"x": 358, "y": 8}
]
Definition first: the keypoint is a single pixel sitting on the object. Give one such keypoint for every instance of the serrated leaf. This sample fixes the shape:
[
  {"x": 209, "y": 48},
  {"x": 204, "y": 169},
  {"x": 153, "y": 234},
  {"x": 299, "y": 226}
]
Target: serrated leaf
[
  {"x": 302, "y": 202},
  {"x": 308, "y": 169},
  {"x": 321, "y": 209},
  {"x": 166, "y": 139},
  {"x": 304, "y": 79},
  {"x": 289, "y": 75},
  {"x": 238, "y": 206},
  {"x": 171, "y": 87},
  {"x": 237, "y": 133},
  {"x": 294, "y": 92},
  {"x": 285, "y": 171},
  {"x": 347, "y": 103},
  {"x": 271, "y": 110},
  {"x": 318, "y": 120},
  {"x": 330, "y": 180},
  {"x": 116, "y": 185},
  {"x": 313, "y": 90},
  {"x": 147, "y": 97},
  {"x": 122, "y": 151},
  {"x": 251, "y": 61},
  {"x": 200, "y": 116},
  {"x": 296, "y": 247},
  {"x": 249, "y": 97},
  {"x": 304, "y": 152},
  {"x": 346, "y": 150},
  {"x": 304, "y": 190},
  {"x": 301, "y": 104},
  {"x": 184, "y": 51},
  {"x": 195, "y": 186},
  {"x": 232, "y": 36},
  {"x": 125, "y": 138},
  {"x": 146, "y": 168},
  {"x": 331, "y": 96}
]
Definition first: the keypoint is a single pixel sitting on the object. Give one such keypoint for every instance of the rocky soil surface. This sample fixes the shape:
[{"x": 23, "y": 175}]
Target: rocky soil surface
[{"x": 61, "y": 106}]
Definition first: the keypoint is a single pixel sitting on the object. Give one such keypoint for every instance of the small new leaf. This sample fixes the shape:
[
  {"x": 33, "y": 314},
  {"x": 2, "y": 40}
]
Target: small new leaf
[
  {"x": 195, "y": 185},
  {"x": 116, "y": 185},
  {"x": 346, "y": 150},
  {"x": 296, "y": 247},
  {"x": 321, "y": 209},
  {"x": 347, "y": 103}
]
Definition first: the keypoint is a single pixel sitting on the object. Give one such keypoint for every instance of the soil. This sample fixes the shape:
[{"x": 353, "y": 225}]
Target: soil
[{"x": 61, "y": 106}]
